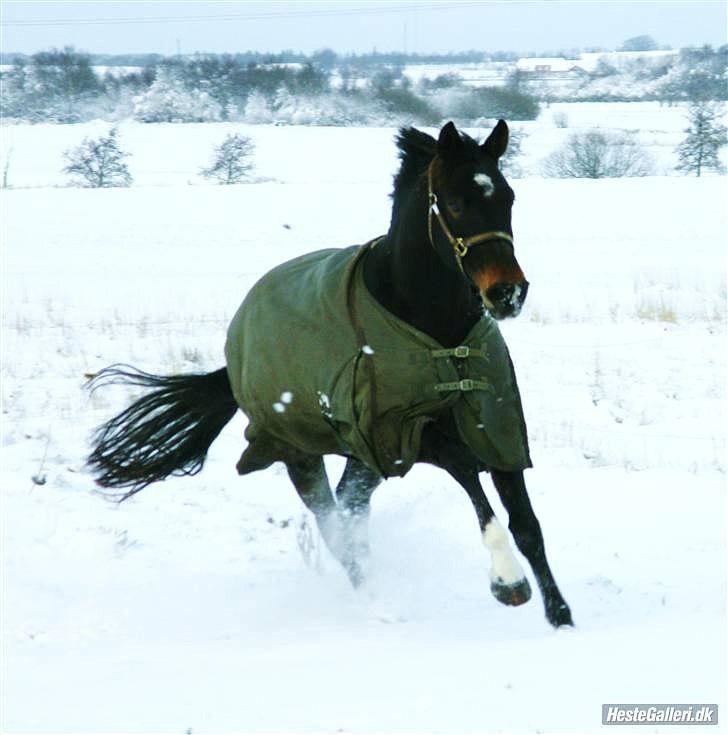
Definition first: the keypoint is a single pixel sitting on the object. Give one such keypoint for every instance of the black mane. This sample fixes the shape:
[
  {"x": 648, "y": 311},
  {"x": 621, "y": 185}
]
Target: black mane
[{"x": 416, "y": 151}]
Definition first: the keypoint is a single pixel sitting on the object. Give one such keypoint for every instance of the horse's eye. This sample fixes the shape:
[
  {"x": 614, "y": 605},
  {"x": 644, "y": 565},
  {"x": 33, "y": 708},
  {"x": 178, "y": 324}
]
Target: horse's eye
[{"x": 455, "y": 206}]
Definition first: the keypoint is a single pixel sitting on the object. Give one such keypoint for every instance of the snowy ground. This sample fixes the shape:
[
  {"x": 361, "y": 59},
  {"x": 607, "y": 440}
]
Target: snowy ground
[
  {"x": 192, "y": 608},
  {"x": 173, "y": 154}
]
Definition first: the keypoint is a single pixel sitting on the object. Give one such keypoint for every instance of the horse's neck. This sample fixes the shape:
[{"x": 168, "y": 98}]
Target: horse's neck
[{"x": 405, "y": 275}]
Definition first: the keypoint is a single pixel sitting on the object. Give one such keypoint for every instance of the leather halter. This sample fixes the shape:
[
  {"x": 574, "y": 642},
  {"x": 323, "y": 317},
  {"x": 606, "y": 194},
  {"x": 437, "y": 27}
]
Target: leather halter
[{"x": 460, "y": 245}]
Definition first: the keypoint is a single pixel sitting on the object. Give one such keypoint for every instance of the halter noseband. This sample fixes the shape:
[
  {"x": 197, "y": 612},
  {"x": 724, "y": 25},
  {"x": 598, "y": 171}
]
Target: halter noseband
[{"x": 460, "y": 245}]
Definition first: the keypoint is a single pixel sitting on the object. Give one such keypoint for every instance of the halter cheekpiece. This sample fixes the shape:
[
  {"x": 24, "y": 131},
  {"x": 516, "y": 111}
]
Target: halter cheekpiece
[{"x": 460, "y": 245}]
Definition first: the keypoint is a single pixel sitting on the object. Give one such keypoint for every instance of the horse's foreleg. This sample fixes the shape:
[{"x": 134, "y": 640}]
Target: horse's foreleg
[
  {"x": 309, "y": 477},
  {"x": 353, "y": 494},
  {"x": 508, "y": 583},
  {"x": 526, "y": 531}
]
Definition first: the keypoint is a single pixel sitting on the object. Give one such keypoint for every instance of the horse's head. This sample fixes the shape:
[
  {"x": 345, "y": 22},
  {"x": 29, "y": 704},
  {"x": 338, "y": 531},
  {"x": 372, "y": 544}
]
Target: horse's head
[{"x": 469, "y": 216}]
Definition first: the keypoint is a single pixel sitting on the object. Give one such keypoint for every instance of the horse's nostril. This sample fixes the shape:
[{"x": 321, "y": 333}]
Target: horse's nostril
[
  {"x": 501, "y": 293},
  {"x": 506, "y": 299}
]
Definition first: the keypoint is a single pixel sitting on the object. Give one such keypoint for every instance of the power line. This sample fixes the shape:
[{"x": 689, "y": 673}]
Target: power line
[{"x": 311, "y": 13}]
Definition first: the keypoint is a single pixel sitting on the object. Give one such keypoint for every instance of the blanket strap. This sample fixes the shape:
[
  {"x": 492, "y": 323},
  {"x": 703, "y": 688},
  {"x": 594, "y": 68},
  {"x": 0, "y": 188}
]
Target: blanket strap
[
  {"x": 462, "y": 352},
  {"x": 362, "y": 341},
  {"x": 465, "y": 385}
]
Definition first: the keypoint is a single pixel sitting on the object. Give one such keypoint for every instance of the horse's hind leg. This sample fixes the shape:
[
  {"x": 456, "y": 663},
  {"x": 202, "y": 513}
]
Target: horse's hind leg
[
  {"x": 353, "y": 494},
  {"x": 526, "y": 531},
  {"x": 308, "y": 475}
]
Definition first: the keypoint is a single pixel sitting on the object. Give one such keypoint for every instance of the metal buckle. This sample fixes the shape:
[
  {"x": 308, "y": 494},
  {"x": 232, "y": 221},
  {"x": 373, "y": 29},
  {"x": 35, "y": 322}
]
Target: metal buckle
[
  {"x": 460, "y": 247},
  {"x": 462, "y": 351},
  {"x": 466, "y": 384}
]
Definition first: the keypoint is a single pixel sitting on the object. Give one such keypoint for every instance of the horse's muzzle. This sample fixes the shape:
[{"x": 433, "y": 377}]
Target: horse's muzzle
[{"x": 505, "y": 299}]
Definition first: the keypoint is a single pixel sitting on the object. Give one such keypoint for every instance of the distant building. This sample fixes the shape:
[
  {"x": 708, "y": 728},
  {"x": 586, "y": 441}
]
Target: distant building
[{"x": 550, "y": 68}]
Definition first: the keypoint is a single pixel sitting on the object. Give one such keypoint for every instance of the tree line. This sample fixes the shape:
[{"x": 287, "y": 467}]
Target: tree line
[
  {"x": 63, "y": 85},
  {"x": 100, "y": 162}
]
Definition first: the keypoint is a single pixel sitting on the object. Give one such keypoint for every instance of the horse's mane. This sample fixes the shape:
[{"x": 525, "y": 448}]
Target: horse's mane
[{"x": 416, "y": 151}]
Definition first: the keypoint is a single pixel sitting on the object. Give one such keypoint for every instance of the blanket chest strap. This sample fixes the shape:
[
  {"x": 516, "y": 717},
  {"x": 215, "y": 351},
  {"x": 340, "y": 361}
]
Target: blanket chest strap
[
  {"x": 462, "y": 352},
  {"x": 465, "y": 385}
]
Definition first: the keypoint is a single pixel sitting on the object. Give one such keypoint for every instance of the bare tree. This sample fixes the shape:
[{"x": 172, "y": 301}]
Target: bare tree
[
  {"x": 6, "y": 167},
  {"x": 705, "y": 137},
  {"x": 597, "y": 155},
  {"x": 231, "y": 161},
  {"x": 98, "y": 163}
]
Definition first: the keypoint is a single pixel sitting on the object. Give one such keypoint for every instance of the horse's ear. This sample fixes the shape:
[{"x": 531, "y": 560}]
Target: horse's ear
[
  {"x": 449, "y": 140},
  {"x": 497, "y": 141}
]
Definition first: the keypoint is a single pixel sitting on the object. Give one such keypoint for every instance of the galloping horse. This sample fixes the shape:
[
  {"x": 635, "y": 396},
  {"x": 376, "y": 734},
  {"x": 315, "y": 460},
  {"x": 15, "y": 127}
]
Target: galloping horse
[{"x": 388, "y": 354}]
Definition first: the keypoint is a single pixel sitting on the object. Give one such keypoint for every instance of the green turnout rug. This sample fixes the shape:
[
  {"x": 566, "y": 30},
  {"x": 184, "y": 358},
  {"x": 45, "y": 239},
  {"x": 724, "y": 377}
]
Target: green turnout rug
[{"x": 319, "y": 367}]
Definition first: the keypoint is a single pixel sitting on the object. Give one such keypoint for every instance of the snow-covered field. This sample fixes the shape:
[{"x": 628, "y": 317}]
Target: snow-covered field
[
  {"x": 191, "y": 607},
  {"x": 173, "y": 154}
]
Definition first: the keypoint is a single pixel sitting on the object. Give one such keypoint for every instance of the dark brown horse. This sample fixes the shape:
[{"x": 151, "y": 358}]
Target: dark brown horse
[{"x": 445, "y": 268}]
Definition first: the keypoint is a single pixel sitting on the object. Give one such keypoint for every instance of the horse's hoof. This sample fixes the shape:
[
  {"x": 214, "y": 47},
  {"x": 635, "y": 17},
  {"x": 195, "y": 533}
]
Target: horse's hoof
[
  {"x": 511, "y": 594},
  {"x": 559, "y": 615}
]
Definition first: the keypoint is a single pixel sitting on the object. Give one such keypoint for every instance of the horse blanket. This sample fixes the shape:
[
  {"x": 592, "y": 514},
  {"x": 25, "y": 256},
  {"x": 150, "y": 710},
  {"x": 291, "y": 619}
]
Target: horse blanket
[{"x": 320, "y": 367}]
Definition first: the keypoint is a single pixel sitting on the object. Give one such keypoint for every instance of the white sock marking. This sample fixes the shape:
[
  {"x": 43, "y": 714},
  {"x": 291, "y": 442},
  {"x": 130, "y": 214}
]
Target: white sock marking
[{"x": 505, "y": 566}]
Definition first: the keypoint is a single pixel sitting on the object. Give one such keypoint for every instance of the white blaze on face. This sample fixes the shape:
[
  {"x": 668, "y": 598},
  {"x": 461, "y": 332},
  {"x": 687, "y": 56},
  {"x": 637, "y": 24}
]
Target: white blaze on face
[
  {"x": 505, "y": 567},
  {"x": 485, "y": 183}
]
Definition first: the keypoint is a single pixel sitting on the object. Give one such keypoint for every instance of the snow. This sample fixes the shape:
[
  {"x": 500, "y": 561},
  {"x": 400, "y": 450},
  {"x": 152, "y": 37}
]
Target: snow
[
  {"x": 475, "y": 74},
  {"x": 167, "y": 154},
  {"x": 590, "y": 61},
  {"x": 201, "y": 605},
  {"x": 547, "y": 64}
]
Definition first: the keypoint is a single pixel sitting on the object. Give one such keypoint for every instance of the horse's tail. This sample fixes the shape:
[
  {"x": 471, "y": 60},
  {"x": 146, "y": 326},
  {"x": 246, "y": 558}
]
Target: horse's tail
[{"x": 166, "y": 432}]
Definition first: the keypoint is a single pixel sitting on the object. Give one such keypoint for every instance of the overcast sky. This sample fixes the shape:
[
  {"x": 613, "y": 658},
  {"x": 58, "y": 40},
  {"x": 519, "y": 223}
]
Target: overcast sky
[{"x": 105, "y": 26}]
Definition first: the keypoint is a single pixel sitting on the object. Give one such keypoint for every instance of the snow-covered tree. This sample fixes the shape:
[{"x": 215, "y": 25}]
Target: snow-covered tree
[
  {"x": 284, "y": 105},
  {"x": 596, "y": 155},
  {"x": 639, "y": 43},
  {"x": 169, "y": 100},
  {"x": 706, "y": 135},
  {"x": 13, "y": 91},
  {"x": 509, "y": 162},
  {"x": 231, "y": 162},
  {"x": 98, "y": 163},
  {"x": 55, "y": 85},
  {"x": 256, "y": 108}
]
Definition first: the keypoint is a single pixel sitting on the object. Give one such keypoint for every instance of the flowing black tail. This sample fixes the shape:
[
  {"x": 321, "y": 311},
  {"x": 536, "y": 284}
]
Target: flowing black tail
[{"x": 167, "y": 432}]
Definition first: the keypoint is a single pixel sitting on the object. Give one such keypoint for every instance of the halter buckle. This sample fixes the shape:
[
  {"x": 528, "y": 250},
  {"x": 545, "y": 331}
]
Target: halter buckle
[
  {"x": 459, "y": 244},
  {"x": 460, "y": 247}
]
